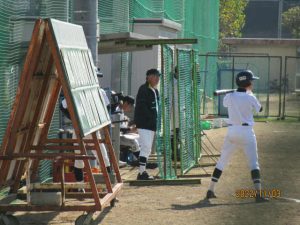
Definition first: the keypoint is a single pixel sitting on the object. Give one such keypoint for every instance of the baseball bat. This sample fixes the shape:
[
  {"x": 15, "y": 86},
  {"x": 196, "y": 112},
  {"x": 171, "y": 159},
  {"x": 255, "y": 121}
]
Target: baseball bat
[{"x": 223, "y": 91}]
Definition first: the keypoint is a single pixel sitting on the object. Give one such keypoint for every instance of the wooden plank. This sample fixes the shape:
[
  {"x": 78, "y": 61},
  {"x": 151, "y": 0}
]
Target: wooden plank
[
  {"x": 111, "y": 153},
  {"x": 60, "y": 147},
  {"x": 69, "y": 141},
  {"x": 74, "y": 195},
  {"x": 163, "y": 182},
  {"x": 39, "y": 208},
  {"x": 102, "y": 164},
  {"x": 57, "y": 186},
  {"x": 42, "y": 156},
  {"x": 111, "y": 196}
]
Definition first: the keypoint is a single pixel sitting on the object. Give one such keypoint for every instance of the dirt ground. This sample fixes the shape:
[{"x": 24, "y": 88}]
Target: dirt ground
[{"x": 279, "y": 156}]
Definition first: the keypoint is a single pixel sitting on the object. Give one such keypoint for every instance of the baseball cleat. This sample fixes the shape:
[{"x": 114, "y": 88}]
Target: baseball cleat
[
  {"x": 144, "y": 176},
  {"x": 260, "y": 199},
  {"x": 210, "y": 194}
]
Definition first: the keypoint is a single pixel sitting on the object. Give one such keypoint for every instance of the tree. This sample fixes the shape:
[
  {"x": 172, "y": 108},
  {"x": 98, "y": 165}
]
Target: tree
[
  {"x": 291, "y": 20},
  {"x": 232, "y": 19}
]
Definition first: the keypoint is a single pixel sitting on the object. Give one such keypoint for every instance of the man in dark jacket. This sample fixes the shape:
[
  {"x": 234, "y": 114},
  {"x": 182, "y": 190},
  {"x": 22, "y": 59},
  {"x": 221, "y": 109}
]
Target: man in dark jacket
[{"x": 145, "y": 116}]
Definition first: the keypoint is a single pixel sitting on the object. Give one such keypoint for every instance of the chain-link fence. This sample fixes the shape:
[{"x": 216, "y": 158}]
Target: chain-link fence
[
  {"x": 291, "y": 86},
  {"x": 221, "y": 69}
]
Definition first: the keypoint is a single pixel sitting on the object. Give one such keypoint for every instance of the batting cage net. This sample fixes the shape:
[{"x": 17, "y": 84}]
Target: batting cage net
[
  {"x": 178, "y": 140},
  {"x": 185, "y": 109},
  {"x": 198, "y": 18},
  {"x": 17, "y": 18},
  {"x": 165, "y": 123}
]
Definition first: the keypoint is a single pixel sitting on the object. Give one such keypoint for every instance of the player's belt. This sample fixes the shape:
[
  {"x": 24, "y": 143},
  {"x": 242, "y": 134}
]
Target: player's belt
[{"x": 243, "y": 124}]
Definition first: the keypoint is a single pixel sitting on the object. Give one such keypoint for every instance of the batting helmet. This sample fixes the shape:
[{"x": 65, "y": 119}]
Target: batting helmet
[{"x": 244, "y": 78}]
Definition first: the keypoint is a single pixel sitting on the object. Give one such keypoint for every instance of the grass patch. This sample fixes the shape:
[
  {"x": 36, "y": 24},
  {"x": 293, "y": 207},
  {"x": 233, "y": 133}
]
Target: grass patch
[{"x": 277, "y": 120}]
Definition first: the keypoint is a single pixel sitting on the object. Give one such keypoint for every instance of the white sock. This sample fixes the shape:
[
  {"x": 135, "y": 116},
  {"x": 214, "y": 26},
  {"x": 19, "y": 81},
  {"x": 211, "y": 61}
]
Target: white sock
[
  {"x": 142, "y": 168},
  {"x": 212, "y": 186},
  {"x": 257, "y": 186},
  {"x": 142, "y": 162}
]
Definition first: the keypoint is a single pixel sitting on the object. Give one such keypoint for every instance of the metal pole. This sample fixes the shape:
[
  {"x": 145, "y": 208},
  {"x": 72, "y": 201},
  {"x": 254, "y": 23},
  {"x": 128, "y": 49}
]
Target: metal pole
[
  {"x": 205, "y": 84},
  {"x": 175, "y": 146},
  {"x": 196, "y": 118},
  {"x": 179, "y": 116},
  {"x": 267, "y": 112},
  {"x": 86, "y": 15},
  {"x": 284, "y": 87},
  {"x": 280, "y": 6},
  {"x": 163, "y": 109},
  {"x": 280, "y": 87}
]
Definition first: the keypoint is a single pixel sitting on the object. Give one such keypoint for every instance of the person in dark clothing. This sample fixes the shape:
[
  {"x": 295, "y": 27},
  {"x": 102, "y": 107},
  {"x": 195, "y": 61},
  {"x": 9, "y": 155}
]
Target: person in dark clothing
[{"x": 145, "y": 117}]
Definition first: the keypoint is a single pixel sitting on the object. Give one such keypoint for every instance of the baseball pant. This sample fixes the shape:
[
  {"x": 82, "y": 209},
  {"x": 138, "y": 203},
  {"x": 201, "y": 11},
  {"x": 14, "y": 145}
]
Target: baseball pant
[
  {"x": 242, "y": 137},
  {"x": 145, "y": 140}
]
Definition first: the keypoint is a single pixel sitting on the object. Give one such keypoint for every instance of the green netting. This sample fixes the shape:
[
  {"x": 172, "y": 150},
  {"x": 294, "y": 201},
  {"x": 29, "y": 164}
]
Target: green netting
[
  {"x": 146, "y": 8},
  {"x": 202, "y": 22},
  {"x": 113, "y": 16},
  {"x": 163, "y": 134},
  {"x": 10, "y": 50},
  {"x": 199, "y": 18},
  {"x": 186, "y": 113},
  {"x": 174, "y": 10},
  {"x": 16, "y": 21}
]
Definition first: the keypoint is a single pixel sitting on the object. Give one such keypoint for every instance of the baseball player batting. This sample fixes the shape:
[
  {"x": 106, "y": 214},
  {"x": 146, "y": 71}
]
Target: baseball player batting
[{"x": 240, "y": 104}]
